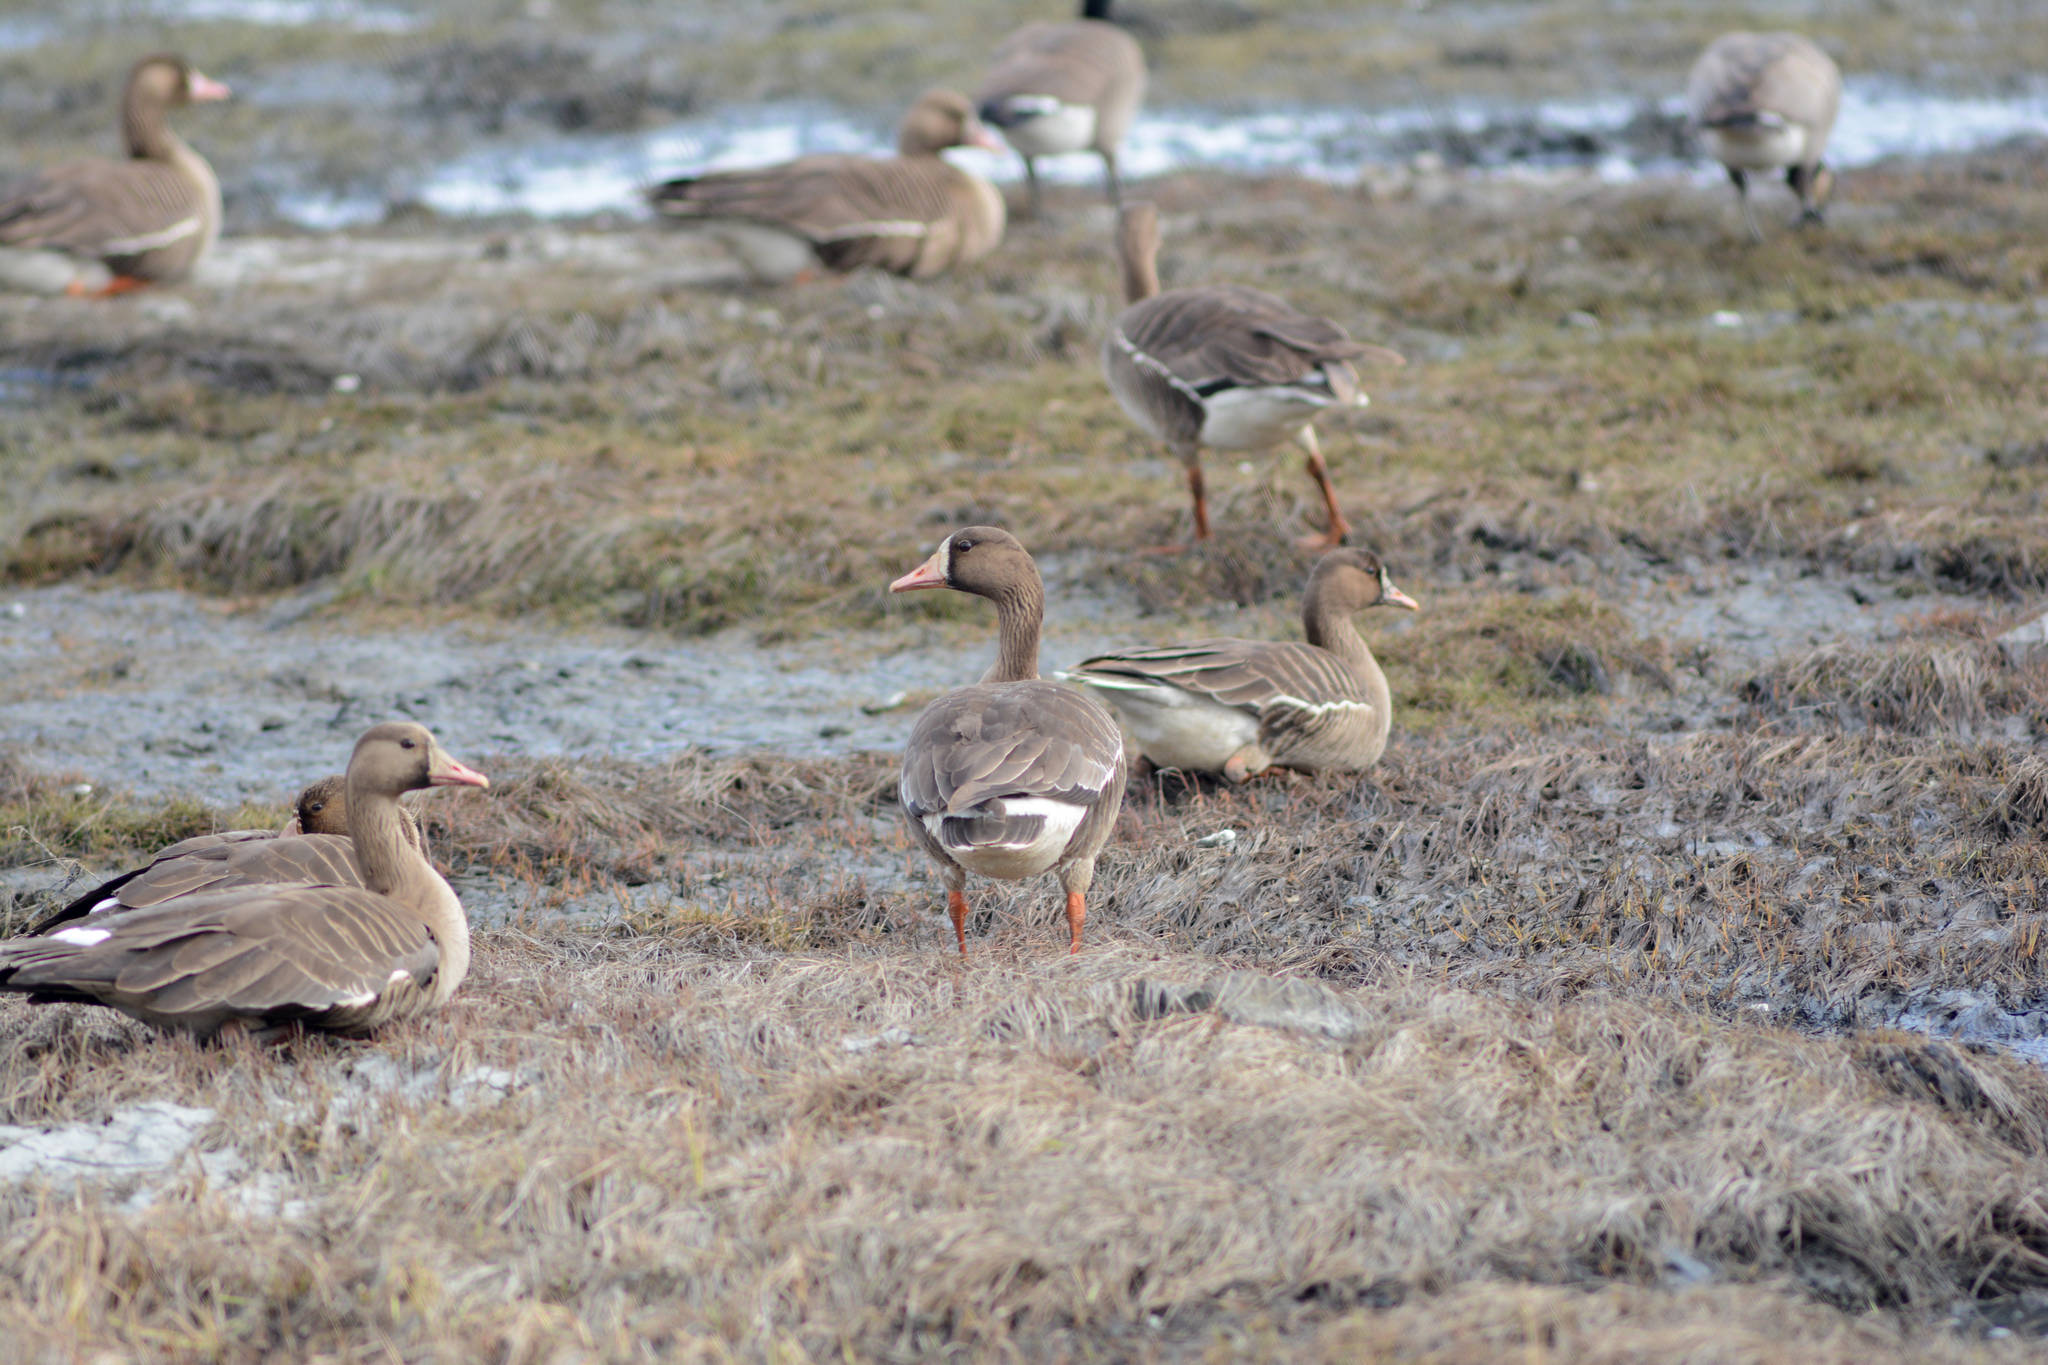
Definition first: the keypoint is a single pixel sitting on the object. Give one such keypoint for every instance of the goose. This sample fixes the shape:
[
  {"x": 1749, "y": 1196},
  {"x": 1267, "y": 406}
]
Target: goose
[
  {"x": 104, "y": 227},
  {"x": 1766, "y": 101},
  {"x": 242, "y": 857},
  {"x": 1012, "y": 776},
  {"x": 1065, "y": 87},
  {"x": 1238, "y": 707},
  {"x": 309, "y": 954},
  {"x": 913, "y": 214},
  {"x": 1225, "y": 366}
]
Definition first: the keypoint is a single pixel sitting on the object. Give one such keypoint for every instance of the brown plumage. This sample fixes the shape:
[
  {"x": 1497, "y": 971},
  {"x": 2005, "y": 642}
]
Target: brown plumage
[
  {"x": 1767, "y": 102},
  {"x": 1237, "y": 707},
  {"x": 107, "y": 226},
  {"x": 1225, "y": 366},
  {"x": 1013, "y": 776},
  {"x": 1065, "y": 87},
  {"x": 241, "y": 857},
  {"x": 912, "y": 214},
  {"x": 267, "y": 958}
]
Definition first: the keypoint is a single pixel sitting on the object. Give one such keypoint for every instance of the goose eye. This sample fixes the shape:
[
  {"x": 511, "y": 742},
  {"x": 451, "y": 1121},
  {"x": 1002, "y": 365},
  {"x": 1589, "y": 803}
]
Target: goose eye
[
  {"x": 407, "y": 744},
  {"x": 316, "y": 807}
]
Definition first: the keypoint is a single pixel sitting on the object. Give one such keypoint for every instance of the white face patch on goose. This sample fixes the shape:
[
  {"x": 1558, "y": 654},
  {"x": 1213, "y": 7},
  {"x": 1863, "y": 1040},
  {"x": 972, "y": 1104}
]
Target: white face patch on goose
[
  {"x": 84, "y": 937},
  {"x": 946, "y": 560}
]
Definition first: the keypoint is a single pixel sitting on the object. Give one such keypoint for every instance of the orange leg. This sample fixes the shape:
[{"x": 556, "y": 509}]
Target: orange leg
[
  {"x": 1077, "y": 915},
  {"x": 120, "y": 284},
  {"x": 1320, "y": 472},
  {"x": 956, "y": 906},
  {"x": 1198, "y": 493},
  {"x": 1201, "y": 498}
]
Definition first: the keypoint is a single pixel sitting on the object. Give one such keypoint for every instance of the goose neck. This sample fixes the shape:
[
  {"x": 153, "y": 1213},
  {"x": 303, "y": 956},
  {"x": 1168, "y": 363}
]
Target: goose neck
[{"x": 1020, "y": 614}]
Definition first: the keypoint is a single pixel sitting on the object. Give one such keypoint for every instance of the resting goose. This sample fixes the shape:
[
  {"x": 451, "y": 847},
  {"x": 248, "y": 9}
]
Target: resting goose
[
  {"x": 104, "y": 227},
  {"x": 1012, "y": 776},
  {"x": 314, "y": 954},
  {"x": 1765, "y": 102},
  {"x": 1238, "y": 707},
  {"x": 313, "y": 846},
  {"x": 1067, "y": 87},
  {"x": 913, "y": 214},
  {"x": 1225, "y": 366}
]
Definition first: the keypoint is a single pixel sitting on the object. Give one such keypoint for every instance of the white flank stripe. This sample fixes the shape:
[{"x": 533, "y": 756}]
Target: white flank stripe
[
  {"x": 1146, "y": 362},
  {"x": 1316, "y": 708},
  {"x": 150, "y": 241},
  {"x": 110, "y": 903},
  {"x": 398, "y": 975},
  {"x": 898, "y": 227},
  {"x": 357, "y": 1001},
  {"x": 84, "y": 937}
]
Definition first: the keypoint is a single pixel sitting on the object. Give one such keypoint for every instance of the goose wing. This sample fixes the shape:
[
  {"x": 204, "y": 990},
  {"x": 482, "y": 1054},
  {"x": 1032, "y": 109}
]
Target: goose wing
[
  {"x": 854, "y": 210},
  {"x": 101, "y": 208},
  {"x": 319, "y": 859},
  {"x": 337, "y": 958},
  {"x": 1231, "y": 336},
  {"x": 989, "y": 762}
]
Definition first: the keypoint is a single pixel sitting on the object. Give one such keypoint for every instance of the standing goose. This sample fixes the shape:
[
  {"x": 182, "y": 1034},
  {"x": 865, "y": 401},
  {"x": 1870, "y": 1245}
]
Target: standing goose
[
  {"x": 314, "y": 846},
  {"x": 1225, "y": 366},
  {"x": 315, "y": 954},
  {"x": 1238, "y": 707},
  {"x": 104, "y": 227},
  {"x": 1067, "y": 87},
  {"x": 913, "y": 214},
  {"x": 1766, "y": 101},
  {"x": 1012, "y": 776}
]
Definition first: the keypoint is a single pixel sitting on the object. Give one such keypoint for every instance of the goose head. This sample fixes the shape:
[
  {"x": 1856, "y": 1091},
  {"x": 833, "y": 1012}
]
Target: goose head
[
  {"x": 983, "y": 560},
  {"x": 1350, "y": 580},
  {"x": 166, "y": 81},
  {"x": 942, "y": 119},
  {"x": 399, "y": 756}
]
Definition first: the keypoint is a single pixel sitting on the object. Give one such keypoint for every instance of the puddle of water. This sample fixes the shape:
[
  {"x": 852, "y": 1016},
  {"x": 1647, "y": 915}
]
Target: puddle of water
[
  {"x": 1616, "y": 138},
  {"x": 348, "y": 14},
  {"x": 108, "y": 682}
]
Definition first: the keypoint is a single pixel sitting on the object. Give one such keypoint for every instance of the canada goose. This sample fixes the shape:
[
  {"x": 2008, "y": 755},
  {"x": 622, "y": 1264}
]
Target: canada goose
[
  {"x": 1065, "y": 87},
  {"x": 1237, "y": 707},
  {"x": 1762, "y": 101},
  {"x": 913, "y": 214},
  {"x": 1225, "y": 366},
  {"x": 104, "y": 227},
  {"x": 313, "y": 846},
  {"x": 269, "y": 958},
  {"x": 1012, "y": 776}
]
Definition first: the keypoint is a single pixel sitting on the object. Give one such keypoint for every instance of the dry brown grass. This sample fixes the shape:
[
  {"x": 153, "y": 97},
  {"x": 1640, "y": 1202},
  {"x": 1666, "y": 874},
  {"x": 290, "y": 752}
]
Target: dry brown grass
[{"x": 698, "y": 1165}]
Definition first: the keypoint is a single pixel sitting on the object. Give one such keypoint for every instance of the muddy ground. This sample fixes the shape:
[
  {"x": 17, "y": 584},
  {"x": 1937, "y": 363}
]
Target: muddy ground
[{"x": 1674, "y": 989}]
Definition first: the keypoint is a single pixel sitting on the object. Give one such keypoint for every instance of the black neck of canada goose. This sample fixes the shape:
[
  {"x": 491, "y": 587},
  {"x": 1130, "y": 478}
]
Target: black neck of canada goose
[
  {"x": 1095, "y": 9},
  {"x": 1137, "y": 250}
]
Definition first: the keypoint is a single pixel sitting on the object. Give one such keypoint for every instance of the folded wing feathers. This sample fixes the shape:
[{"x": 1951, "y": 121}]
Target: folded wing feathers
[
  {"x": 1075, "y": 63},
  {"x": 985, "y": 743},
  {"x": 823, "y": 198},
  {"x": 269, "y": 952},
  {"x": 1252, "y": 675},
  {"x": 1762, "y": 79},
  {"x": 1230, "y": 336},
  {"x": 101, "y": 207}
]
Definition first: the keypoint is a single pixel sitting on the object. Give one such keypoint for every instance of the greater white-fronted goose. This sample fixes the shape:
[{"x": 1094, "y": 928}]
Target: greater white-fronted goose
[
  {"x": 313, "y": 954},
  {"x": 1225, "y": 366},
  {"x": 1065, "y": 87},
  {"x": 313, "y": 846},
  {"x": 1013, "y": 776},
  {"x": 102, "y": 227},
  {"x": 1767, "y": 102},
  {"x": 913, "y": 214},
  {"x": 1238, "y": 707}
]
